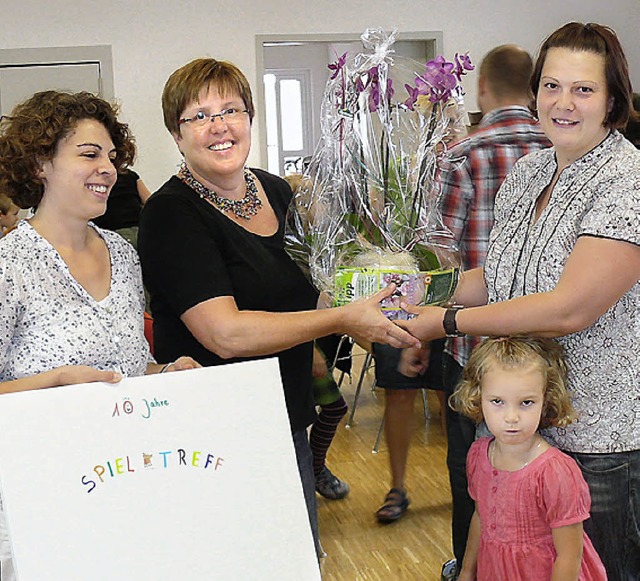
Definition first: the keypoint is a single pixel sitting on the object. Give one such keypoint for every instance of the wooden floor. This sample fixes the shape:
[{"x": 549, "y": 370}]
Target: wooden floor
[{"x": 358, "y": 547}]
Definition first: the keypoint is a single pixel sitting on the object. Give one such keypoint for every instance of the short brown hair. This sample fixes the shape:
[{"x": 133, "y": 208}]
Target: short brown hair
[
  {"x": 511, "y": 352},
  {"x": 600, "y": 40},
  {"x": 507, "y": 69},
  {"x": 185, "y": 84},
  {"x": 30, "y": 135}
]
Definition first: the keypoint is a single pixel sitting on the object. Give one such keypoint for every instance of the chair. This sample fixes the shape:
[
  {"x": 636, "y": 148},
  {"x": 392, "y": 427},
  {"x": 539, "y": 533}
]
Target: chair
[
  {"x": 366, "y": 366},
  {"x": 368, "y": 363},
  {"x": 337, "y": 350},
  {"x": 432, "y": 379}
]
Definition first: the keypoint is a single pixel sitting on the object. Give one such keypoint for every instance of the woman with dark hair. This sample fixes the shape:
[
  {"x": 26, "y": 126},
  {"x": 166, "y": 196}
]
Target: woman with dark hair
[
  {"x": 211, "y": 242},
  {"x": 564, "y": 261},
  {"x": 72, "y": 299},
  {"x": 70, "y": 292}
]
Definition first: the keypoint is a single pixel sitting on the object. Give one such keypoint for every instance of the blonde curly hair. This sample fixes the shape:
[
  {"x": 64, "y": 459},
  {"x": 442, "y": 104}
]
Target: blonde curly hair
[{"x": 512, "y": 352}]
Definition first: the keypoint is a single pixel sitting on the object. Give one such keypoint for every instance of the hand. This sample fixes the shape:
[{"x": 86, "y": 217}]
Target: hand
[
  {"x": 183, "y": 363},
  {"x": 363, "y": 319},
  {"x": 414, "y": 361},
  {"x": 319, "y": 368},
  {"x": 427, "y": 326},
  {"x": 74, "y": 374}
]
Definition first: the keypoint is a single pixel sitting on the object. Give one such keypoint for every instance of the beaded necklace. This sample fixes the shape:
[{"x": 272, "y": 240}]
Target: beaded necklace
[{"x": 244, "y": 208}]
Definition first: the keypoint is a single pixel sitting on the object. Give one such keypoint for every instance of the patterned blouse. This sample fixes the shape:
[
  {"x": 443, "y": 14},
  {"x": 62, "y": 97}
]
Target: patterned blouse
[
  {"x": 47, "y": 319},
  {"x": 598, "y": 195}
]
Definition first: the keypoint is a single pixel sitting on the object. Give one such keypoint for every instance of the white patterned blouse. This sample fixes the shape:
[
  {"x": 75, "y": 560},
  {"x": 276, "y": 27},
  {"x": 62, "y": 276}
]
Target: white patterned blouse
[
  {"x": 47, "y": 319},
  {"x": 597, "y": 195}
]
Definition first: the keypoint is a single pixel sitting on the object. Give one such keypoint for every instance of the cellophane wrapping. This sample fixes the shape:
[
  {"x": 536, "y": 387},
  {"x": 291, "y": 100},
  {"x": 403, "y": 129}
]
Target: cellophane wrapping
[{"x": 366, "y": 211}]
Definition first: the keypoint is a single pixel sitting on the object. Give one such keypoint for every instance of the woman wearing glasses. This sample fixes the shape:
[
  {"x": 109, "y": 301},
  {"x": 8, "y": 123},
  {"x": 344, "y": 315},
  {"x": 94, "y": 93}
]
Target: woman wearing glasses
[{"x": 211, "y": 244}]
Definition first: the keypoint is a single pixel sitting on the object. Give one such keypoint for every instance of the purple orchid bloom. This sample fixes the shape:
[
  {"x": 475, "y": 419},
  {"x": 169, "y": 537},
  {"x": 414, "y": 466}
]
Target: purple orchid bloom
[
  {"x": 440, "y": 79},
  {"x": 373, "y": 84},
  {"x": 463, "y": 64},
  {"x": 413, "y": 96},
  {"x": 441, "y": 65},
  {"x": 374, "y": 93},
  {"x": 422, "y": 86},
  {"x": 337, "y": 66}
]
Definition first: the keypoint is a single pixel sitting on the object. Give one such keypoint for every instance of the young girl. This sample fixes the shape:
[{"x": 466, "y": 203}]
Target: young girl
[{"x": 531, "y": 499}]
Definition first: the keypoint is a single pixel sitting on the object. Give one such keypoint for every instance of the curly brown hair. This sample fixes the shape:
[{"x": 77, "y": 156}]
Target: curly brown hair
[
  {"x": 511, "y": 352},
  {"x": 30, "y": 135}
]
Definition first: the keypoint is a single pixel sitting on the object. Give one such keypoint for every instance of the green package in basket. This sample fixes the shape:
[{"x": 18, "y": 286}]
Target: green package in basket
[{"x": 431, "y": 287}]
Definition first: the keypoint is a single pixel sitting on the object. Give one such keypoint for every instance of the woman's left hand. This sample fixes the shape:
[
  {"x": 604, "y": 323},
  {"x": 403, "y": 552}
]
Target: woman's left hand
[
  {"x": 427, "y": 326},
  {"x": 182, "y": 364},
  {"x": 363, "y": 319}
]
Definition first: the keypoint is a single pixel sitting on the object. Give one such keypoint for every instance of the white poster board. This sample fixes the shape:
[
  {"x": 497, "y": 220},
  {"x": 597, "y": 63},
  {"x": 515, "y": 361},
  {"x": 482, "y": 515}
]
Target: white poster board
[{"x": 187, "y": 476}]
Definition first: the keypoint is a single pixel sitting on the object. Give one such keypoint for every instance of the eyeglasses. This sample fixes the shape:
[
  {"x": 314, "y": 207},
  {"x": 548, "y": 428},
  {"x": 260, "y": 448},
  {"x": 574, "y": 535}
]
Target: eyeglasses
[{"x": 229, "y": 116}]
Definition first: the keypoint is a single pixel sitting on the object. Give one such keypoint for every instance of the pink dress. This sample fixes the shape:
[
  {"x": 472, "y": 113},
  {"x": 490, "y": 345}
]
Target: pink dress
[{"x": 518, "y": 510}]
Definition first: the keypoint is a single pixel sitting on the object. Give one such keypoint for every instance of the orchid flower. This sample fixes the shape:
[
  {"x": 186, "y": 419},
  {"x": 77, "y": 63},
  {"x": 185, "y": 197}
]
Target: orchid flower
[
  {"x": 372, "y": 83},
  {"x": 337, "y": 66},
  {"x": 374, "y": 92},
  {"x": 377, "y": 168},
  {"x": 462, "y": 65},
  {"x": 440, "y": 64},
  {"x": 440, "y": 78},
  {"x": 413, "y": 96}
]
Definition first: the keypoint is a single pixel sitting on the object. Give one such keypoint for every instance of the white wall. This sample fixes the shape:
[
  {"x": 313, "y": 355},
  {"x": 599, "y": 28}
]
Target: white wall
[{"x": 151, "y": 38}]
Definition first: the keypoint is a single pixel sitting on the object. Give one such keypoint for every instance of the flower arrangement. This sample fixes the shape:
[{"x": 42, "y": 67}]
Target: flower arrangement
[{"x": 368, "y": 213}]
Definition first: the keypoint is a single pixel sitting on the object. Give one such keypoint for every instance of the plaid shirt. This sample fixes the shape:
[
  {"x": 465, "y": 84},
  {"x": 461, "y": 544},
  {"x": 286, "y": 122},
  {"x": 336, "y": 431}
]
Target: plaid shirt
[{"x": 475, "y": 171}]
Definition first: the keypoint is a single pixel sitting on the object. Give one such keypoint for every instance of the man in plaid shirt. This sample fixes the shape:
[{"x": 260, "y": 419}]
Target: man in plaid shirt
[{"x": 477, "y": 168}]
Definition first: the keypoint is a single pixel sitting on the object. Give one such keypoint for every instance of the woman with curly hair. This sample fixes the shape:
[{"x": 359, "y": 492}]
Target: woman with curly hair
[
  {"x": 531, "y": 499},
  {"x": 72, "y": 299}
]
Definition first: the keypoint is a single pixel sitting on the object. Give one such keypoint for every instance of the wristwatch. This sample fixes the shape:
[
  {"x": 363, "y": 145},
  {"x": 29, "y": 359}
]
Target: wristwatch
[{"x": 449, "y": 322}]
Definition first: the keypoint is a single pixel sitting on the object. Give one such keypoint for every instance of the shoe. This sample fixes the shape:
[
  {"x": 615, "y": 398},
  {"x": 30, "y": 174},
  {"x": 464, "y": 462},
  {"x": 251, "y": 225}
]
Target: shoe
[
  {"x": 449, "y": 571},
  {"x": 394, "y": 506},
  {"x": 331, "y": 486}
]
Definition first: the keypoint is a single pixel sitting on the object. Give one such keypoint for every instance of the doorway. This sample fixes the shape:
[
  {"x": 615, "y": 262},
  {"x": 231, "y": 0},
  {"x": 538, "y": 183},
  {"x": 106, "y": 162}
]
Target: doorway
[{"x": 291, "y": 77}]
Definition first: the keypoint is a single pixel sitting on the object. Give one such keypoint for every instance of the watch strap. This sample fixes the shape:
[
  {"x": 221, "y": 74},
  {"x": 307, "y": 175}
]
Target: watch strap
[{"x": 449, "y": 323}]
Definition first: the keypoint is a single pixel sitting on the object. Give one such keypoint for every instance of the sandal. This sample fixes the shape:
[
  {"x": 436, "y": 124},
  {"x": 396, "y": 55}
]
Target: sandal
[{"x": 395, "y": 505}]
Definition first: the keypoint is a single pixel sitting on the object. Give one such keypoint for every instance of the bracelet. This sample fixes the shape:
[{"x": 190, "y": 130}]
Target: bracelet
[
  {"x": 449, "y": 323},
  {"x": 165, "y": 367}
]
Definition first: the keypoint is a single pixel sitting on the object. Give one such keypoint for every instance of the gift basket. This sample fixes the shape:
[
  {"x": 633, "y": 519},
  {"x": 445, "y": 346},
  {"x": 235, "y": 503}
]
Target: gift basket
[{"x": 366, "y": 213}]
